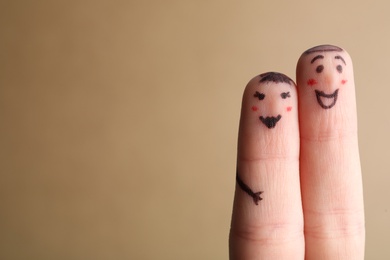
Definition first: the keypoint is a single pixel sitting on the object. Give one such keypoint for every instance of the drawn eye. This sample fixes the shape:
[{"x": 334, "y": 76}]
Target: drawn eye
[
  {"x": 285, "y": 95},
  {"x": 259, "y": 95},
  {"x": 320, "y": 68},
  {"x": 339, "y": 68}
]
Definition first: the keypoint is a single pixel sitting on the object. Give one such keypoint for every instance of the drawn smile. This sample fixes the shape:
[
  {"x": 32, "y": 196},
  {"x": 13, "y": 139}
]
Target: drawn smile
[
  {"x": 270, "y": 122},
  {"x": 326, "y": 98}
]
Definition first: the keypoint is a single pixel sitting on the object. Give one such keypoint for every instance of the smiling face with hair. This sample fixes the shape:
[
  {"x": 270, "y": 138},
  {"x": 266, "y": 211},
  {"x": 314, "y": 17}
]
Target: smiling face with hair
[
  {"x": 269, "y": 116},
  {"x": 271, "y": 93},
  {"x": 328, "y": 68}
]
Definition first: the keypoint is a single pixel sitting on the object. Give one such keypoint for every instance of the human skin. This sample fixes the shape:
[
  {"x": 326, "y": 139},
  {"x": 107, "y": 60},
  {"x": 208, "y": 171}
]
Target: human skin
[
  {"x": 306, "y": 166},
  {"x": 268, "y": 161},
  {"x": 331, "y": 182}
]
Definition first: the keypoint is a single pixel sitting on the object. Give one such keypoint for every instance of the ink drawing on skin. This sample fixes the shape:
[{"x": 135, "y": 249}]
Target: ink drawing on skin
[
  {"x": 332, "y": 57},
  {"x": 263, "y": 97},
  {"x": 255, "y": 195},
  {"x": 271, "y": 121}
]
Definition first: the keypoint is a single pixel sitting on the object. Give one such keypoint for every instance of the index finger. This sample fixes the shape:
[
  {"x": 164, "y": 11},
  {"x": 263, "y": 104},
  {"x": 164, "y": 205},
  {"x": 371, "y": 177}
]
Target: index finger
[{"x": 267, "y": 221}]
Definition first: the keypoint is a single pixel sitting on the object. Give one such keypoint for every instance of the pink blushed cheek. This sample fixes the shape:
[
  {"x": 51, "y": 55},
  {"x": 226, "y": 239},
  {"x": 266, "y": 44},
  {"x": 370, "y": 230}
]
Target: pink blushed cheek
[
  {"x": 289, "y": 109},
  {"x": 343, "y": 81},
  {"x": 255, "y": 108},
  {"x": 311, "y": 82}
]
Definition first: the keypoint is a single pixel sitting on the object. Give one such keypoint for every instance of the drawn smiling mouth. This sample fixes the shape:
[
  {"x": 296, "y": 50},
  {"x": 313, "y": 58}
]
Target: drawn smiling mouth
[
  {"x": 321, "y": 97},
  {"x": 270, "y": 122}
]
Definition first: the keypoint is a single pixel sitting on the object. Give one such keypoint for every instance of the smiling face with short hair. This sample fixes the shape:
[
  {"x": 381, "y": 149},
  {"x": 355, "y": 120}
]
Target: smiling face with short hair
[{"x": 328, "y": 65}]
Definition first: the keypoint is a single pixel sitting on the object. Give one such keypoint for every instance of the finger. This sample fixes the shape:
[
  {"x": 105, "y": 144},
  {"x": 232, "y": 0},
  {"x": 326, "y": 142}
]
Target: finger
[
  {"x": 267, "y": 212},
  {"x": 331, "y": 180}
]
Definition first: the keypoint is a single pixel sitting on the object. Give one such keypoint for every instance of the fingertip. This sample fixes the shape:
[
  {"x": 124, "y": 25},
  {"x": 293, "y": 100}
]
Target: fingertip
[
  {"x": 317, "y": 54},
  {"x": 269, "y": 105},
  {"x": 326, "y": 91}
]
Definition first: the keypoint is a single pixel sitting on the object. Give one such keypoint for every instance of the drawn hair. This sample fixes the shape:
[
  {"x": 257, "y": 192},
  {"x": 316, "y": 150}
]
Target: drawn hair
[
  {"x": 276, "y": 77},
  {"x": 323, "y": 48}
]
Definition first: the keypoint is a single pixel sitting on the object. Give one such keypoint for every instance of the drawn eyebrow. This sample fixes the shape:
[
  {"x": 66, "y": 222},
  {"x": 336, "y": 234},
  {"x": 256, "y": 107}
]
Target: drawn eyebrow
[
  {"x": 285, "y": 95},
  {"x": 340, "y": 58},
  {"x": 259, "y": 95},
  {"x": 316, "y": 58}
]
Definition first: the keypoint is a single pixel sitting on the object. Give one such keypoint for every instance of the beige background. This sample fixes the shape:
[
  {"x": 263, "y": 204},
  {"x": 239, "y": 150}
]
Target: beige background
[{"x": 118, "y": 119}]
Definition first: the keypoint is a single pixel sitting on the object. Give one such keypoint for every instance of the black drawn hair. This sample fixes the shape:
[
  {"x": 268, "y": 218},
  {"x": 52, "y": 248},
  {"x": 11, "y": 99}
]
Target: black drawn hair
[
  {"x": 276, "y": 77},
  {"x": 323, "y": 48}
]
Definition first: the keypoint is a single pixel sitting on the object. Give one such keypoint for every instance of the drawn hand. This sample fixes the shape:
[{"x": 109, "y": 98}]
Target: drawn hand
[{"x": 303, "y": 159}]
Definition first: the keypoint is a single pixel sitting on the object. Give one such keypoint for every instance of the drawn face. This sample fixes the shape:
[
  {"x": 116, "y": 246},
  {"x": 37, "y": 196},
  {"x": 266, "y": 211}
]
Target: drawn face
[
  {"x": 326, "y": 76},
  {"x": 269, "y": 115},
  {"x": 271, "y": 101}
]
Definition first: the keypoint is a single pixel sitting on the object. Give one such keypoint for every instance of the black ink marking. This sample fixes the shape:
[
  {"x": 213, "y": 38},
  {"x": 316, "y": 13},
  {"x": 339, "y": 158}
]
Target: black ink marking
[
  {"x": 338, "y": 57},
  {"x": 320, "y": 68},
  {"x": 316, "y": 58},
  {"x": 323, "y": 48},
  {"x": 276, "y": 78},
  {"x": 285, "y": 95},
  {"x": 259, "y": 95},
  {"x": 270, "y": 122},
  {"x": 339, "y": 68},
  {"x": 255, "y": 195},
  {"x": 321, "y": 94}
]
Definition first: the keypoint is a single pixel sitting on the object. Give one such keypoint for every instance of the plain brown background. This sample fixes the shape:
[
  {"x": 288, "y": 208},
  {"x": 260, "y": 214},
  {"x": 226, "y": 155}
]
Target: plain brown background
[{"x": 118, "y": 119}]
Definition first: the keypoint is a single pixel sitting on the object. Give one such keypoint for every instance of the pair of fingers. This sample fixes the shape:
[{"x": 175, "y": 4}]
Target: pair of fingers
[{"x": 299, "y": 190}]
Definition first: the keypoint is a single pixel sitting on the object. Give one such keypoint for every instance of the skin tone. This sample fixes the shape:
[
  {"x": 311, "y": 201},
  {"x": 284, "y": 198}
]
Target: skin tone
[
  {"x": 307, "y": 165},
  {"x": 268, "y": 161}
]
